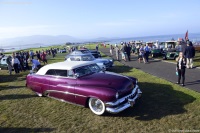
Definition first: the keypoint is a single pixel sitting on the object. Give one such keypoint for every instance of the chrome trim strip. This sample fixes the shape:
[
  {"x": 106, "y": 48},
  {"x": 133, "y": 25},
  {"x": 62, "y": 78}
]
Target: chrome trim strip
[
  {"x": 62, "y": 100},
  {"x": 123, "y": 98},
  {"x": 66, "y": 86},
  {"x": 65, "y": 92}
]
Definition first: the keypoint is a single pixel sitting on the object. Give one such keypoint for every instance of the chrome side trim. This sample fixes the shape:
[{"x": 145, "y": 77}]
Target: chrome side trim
[
  {"x": 65, "y": 92},
  {"x": 124, "y": 98},
  {"x": 66, "y": 86},
  {"x": 62, "y": 100}
]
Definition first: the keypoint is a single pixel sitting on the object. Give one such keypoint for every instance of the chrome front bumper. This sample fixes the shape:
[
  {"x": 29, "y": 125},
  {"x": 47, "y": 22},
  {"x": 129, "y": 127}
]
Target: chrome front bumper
[{"x": 118, "y": 106}]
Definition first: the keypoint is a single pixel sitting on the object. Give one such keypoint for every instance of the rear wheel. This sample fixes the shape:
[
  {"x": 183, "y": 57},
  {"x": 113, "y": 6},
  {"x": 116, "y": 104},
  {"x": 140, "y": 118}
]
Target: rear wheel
[{"x": 96, "y": 106}]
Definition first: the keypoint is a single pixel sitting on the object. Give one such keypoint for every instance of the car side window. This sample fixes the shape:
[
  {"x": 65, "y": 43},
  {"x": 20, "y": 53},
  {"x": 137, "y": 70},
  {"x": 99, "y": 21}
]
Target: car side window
[
  {"x": 50, "y": 72},
  {"x": 61, "y": 73}
]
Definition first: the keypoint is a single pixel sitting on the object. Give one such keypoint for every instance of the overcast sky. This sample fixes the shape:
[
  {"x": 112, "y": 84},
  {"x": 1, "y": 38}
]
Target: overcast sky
[{"x": 98, "y": 18}]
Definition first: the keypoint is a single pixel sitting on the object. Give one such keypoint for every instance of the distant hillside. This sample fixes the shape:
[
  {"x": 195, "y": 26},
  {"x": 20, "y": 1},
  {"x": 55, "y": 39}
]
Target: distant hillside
[{"x": 41, "y": 39}]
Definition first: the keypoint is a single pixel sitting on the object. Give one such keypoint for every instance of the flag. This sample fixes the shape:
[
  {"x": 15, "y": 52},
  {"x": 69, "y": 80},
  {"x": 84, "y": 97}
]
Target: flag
[{"x": 186, "y": 36}]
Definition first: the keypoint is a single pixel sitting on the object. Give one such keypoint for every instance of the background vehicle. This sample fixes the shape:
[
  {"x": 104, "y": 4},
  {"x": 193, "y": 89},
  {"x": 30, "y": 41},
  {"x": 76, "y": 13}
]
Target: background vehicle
[
  {"x": 95, "y": 53},
  {"x": 103, "y": 63},
  {"x": 3, "y": 64},
  {"x": 171, "y": 50},
  {"x": 63, "y": 50},
  {"x": 157, "y": 49}
]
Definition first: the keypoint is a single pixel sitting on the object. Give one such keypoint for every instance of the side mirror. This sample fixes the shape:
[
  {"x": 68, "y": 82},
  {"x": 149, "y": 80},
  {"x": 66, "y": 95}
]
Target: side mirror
[{"x": 77, "y": 75}]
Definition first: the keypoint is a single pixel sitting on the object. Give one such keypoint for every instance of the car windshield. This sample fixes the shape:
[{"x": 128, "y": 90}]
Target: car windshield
[
  {"x": 85, "y": 70},
  {"x": 171, "y": 45},
  {"x": 88, "y": 58}
]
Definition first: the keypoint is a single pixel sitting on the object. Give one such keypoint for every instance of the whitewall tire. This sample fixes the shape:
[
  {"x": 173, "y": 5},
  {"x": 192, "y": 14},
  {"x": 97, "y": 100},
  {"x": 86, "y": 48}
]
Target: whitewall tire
[{"x": 96, "y": 106}]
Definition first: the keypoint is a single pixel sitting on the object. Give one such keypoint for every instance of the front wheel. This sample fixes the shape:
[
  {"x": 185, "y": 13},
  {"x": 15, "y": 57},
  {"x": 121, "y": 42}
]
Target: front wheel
[{"x": 97, "y": 106}]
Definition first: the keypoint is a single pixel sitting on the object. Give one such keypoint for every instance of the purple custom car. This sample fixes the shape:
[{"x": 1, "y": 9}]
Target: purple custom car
[{"x": 84, "y": 83}]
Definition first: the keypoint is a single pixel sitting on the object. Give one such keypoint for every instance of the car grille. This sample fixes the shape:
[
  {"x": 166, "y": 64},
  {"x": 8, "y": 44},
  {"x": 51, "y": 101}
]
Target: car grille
[{"x": 131, "y": 96}]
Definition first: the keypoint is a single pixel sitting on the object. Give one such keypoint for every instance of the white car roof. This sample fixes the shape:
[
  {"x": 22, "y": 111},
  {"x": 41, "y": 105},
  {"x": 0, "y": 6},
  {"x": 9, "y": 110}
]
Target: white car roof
[{"x": 66, "y": 65}]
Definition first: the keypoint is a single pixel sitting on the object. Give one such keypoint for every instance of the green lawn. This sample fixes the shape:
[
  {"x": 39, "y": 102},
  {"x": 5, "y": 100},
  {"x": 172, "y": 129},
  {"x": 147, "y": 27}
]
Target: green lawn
[{"x": 164, "y": 107}]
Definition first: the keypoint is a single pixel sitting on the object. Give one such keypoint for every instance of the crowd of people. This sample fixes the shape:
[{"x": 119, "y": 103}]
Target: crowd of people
[
  {"x": 127, "y": 48},
  {"x": 184, "y": 60},
  {"x": 19, "y": 61}
]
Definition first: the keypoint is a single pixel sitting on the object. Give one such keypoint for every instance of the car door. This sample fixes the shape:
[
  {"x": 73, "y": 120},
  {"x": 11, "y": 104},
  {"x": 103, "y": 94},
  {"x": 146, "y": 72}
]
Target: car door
[{"x": 61, "y": 86}]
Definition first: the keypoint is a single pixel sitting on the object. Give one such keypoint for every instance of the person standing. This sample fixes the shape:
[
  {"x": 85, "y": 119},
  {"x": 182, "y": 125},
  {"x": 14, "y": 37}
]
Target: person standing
[
  {"x": 15, "y": 64},
  {"x": 147, "y": 52},
  {"x": 181, "y": 62},
  {"x": 142, "y": 54},
  {"x": 43, "y": 56},
  {"x": 38, "y": 56},
  {"x": 138, "y": 49},
  {"x": 128, "y": 52},
  {"x": 111, "y": 50},
  {"x": 117, "y": 51},
  {"x": 97, "y": 47},
  {"x": 9, "y": 63},
  {"x": 189, "y": 54},
  {"x": 31, "y": 54}
]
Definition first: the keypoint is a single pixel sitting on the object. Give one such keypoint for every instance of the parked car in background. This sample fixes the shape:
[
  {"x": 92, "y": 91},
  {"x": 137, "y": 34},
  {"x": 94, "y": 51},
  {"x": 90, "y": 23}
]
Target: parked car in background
[
  {"x": 63, "y": 50},
  {"x": 84, "y": 83},
  {"x": 156, "y": 52},
  {"x": 157, "y": 49},
  {"x": 103, "y": 63},
  {"x": 171, "y": 50},
  {"x": 95, "y": 53},
  {"x": 3, "y": 64}
]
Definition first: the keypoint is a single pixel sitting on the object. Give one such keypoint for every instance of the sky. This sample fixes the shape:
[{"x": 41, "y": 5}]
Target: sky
[{"x": 87, "y": 19}]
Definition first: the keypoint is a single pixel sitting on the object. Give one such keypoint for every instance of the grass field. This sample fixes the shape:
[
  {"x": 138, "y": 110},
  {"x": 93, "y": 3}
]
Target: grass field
[{"x": 164, "y": 107}]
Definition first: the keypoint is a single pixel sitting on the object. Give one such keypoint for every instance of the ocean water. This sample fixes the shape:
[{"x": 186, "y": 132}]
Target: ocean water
[{"x": 194, "y": 37}]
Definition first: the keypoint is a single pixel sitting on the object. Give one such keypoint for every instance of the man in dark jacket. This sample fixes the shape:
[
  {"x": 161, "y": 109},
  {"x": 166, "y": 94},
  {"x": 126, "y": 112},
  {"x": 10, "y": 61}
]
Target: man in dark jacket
[
  {"x": 128, "y": 51},
  {"x": 189, "y": 54}
]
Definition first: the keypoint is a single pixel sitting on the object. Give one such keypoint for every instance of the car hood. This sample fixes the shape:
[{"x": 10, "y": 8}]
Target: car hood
[{"x": 108, "y": 80}]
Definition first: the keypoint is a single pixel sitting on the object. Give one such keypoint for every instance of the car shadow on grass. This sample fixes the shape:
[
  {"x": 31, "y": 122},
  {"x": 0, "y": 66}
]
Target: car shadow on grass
[
  {"x": 16, "y": 96},
  {"x": 7, "y": 87},
  {"x": 157, "y": 101},
  {"x": 9, "y": 78},
  {"x": 25, "y": 130}
]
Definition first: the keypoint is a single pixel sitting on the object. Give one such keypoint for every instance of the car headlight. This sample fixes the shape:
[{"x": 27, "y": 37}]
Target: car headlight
[
  {"x": 111, "y": 60},
  {"x": 117, "y": 95}
]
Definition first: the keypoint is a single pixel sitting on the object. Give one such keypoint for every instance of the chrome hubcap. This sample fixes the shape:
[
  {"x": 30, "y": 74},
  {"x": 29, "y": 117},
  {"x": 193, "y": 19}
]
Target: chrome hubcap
[{"x": 97, "y": 105}]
